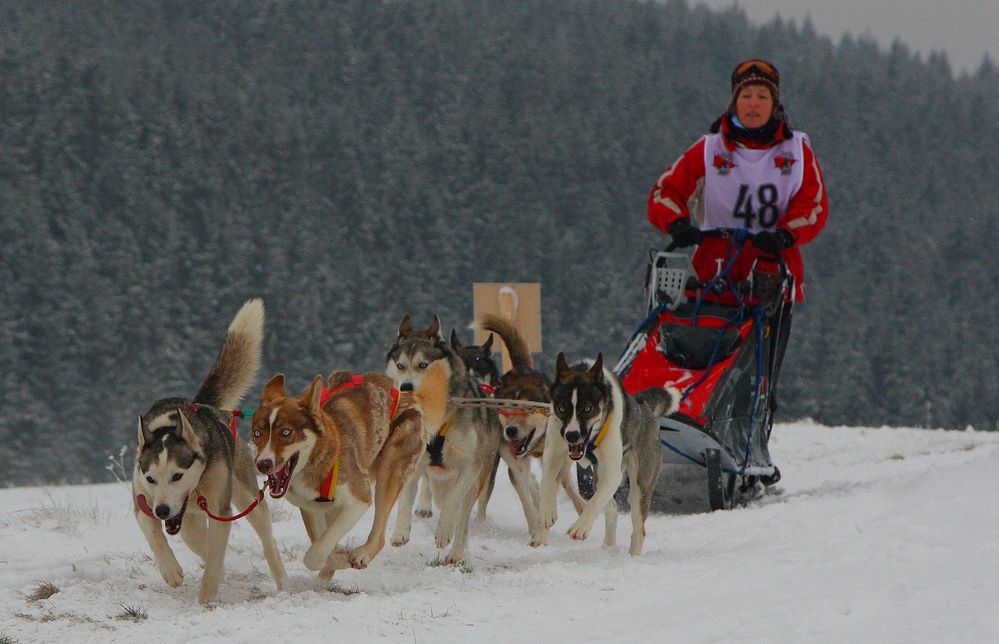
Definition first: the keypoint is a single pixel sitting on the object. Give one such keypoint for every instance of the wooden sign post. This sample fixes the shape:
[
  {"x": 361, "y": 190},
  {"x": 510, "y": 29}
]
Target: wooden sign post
[{"x": 518, "y": 302}]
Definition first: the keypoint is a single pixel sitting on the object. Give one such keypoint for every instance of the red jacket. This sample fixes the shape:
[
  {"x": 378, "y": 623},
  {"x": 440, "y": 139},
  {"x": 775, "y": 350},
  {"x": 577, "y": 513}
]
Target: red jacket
[{"x": 805, "y": 216}]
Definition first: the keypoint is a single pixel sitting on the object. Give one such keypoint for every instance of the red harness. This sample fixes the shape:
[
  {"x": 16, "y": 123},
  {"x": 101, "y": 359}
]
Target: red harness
[{"x": 355, "y": 380}]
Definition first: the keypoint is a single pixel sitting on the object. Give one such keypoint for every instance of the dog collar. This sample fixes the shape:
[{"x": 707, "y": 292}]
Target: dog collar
[
  {"x": 142, "y": 504},
  {"x": 603, "y": 432}
]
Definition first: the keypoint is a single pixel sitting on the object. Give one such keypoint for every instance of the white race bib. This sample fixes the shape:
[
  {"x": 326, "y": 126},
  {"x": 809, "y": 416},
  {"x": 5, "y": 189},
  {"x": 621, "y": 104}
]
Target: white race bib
[{"x": 748, "y": 188}]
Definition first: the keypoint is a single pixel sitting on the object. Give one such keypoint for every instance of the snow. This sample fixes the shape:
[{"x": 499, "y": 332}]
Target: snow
[{"x": 877, "y": 535}]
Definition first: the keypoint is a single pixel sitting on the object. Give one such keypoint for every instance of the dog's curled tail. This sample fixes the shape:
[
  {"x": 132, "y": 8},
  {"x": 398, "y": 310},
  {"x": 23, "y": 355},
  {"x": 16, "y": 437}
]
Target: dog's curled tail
[
  {"x": 660, "y": 401},
  {"x": 516, "y": 345},
  {"x": 238, "y": 361},
  {"x": 432, "y": 395}
]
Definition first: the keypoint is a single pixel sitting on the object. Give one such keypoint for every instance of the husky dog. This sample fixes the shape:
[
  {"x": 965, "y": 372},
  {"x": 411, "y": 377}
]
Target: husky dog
[
  {"x": 596, "y": 421},
  {"x": 186, "y": 450},
  {"x": 524, "y": 431},
  {"x": 326, "y": 449},
  {"x": 478, "y": 360},
  {"x": 460, "y": 453}
]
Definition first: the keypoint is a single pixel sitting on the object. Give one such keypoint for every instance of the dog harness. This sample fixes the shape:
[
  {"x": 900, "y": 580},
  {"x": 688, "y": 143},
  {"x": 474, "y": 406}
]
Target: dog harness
[
  {"x": 233, "y": 413},
  {"x": 355, "y": 380},
  {"x": 436, "y": 445},
  {"x": 327, "y": 491}
]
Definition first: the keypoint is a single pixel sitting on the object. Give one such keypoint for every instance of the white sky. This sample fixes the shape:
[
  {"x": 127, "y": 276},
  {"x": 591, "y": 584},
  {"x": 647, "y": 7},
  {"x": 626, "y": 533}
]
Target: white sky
[{"x": 965, "y": 29}]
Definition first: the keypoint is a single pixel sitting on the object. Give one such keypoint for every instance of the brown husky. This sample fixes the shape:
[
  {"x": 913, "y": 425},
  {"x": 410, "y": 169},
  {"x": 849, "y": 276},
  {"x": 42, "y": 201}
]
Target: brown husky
[
  {"x": 524, "y": 431},
  {"x": 326, "y": 453}
]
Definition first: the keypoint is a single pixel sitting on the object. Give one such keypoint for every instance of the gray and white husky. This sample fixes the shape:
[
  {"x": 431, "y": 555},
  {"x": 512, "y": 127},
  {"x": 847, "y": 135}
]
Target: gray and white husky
[
  {"x": 460, "y": 455},
  {"x": 186, "y": 450},
  {"x": 596, "y": 422}
]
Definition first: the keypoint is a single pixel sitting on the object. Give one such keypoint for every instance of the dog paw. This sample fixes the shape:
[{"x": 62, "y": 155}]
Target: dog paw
[
  {"x": 207, "y": 596},
  {"x": 314, "y": 558},
  {"x": 548, "y": 519},
  {"x": 339, "y": 560},
  {"x": 424, "y": 513},
  {"x": 539, "y": 539},
  {"x": 443, "y": 535},
  {"x": 359, "y": 559},
  {"x": 454, "y": 558},
  {"x": 172, "y": 573},
  {"x": 579, "y": 531},
  {"x": 399, "y": 540}
]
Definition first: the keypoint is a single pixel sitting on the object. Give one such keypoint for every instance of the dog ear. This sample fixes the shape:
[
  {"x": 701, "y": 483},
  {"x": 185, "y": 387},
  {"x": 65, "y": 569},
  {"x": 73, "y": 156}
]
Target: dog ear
[
  {"x": 187, "y": 432},
  {"x": 273, "y": 390},
  {"x": 145, "y": 436},
  {"x": 314, "y": 395},
  {"x": 435, "y": 327},
  {"x": 561, "y": 367},
  {"x": 455, "y": 342},
  {"x": 488, "y": 344},
  {"x": 405, "y": 327},
  {"x": 596, "y": 372}
]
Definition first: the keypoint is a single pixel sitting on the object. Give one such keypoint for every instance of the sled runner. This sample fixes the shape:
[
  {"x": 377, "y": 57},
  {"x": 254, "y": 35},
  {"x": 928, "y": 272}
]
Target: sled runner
[{"x": 723, "y": 358}]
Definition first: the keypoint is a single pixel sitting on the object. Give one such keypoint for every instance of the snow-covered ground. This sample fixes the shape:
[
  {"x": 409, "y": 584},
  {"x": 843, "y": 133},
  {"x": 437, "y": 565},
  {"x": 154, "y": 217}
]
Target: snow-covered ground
[{"x": 878, "y": 535}]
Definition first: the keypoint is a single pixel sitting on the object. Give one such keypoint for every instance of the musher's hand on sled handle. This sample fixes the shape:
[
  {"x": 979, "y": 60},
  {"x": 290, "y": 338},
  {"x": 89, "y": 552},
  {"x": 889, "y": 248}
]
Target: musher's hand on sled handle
[
  {"x": 684, "y": 234},
  {"x": 771, "y": 242}
]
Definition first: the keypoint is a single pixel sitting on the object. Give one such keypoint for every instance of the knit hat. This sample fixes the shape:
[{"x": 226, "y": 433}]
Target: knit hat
[{"x": 756, "y": 71}]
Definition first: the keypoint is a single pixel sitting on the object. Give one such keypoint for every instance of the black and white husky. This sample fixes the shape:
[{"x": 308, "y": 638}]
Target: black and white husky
[
  {"x": 596, "y": 422},
  {"x": 186, "y": 450}
]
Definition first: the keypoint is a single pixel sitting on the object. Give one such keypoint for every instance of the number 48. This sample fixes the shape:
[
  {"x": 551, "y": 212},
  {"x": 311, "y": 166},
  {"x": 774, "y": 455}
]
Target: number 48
[{"x": 766, "y": 194}]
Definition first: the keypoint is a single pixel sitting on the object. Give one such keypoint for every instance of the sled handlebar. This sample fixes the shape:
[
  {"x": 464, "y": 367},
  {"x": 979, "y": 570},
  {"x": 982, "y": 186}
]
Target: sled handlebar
[{"x": 731, "y": 232}]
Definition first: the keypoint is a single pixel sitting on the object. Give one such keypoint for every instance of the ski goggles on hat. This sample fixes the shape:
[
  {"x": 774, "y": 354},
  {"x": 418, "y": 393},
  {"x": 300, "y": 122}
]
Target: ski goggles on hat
[{"x": 756, "y": 67}]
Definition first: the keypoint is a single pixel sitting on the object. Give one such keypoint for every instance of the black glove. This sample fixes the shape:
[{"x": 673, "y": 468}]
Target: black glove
[
  {"x": 684, "y": 233},
  {"x": 774, "y": 241}
]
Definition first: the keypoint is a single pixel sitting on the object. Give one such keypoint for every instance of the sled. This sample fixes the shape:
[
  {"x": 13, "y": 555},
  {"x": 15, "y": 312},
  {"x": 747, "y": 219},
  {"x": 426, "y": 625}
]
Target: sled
[{"x": 721, "y": 357}]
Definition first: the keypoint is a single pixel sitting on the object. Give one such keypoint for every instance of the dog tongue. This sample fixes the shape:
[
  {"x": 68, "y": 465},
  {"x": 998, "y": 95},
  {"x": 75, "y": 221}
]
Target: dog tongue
[
  {"x": 173, "y": 524},
  {"x": 518, "y": 446},
  {"x": 576, "y": 451},
  {"x": 278, "y": 481}
]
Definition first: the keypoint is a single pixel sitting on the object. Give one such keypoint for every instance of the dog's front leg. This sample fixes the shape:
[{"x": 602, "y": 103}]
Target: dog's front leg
[
  {"x": 337, "y": 526},
  {"x": 218, "y": 540},
  {"x": 526, "y": 486},
  {"x": 404, "y": 516},
  {"x": 463, "y": 513},
  {"x": 163, "y": 555},
  {"x": 608, "y": 480},
  {"x": 425, "y": 508},
  {"x": 553, "y": 461},
  {"x": 315, "y": 524},
  {"x": 452, "y": 511},
  {"x": 568, "y": 481}
]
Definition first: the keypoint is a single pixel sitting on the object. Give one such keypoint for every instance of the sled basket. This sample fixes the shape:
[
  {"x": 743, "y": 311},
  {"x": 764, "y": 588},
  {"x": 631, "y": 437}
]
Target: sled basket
[{"x": 666, "y": 280}]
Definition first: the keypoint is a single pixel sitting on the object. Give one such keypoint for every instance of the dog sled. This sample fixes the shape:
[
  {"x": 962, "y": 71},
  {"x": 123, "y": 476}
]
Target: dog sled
[{"x": 722, "y": 358}]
